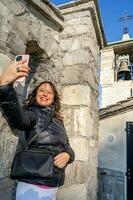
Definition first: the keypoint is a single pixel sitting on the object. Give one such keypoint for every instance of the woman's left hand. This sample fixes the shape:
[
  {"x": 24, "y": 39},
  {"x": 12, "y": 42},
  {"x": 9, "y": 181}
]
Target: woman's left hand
[{"x": 61, "y": 159}]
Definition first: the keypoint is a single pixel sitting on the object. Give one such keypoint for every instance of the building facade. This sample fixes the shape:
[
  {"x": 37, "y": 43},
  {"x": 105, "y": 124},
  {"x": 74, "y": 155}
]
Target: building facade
[
  {"x": 116, "y": 103},
  {"x": 115, "y": 146},
  {"x": 116, "y": 73}
]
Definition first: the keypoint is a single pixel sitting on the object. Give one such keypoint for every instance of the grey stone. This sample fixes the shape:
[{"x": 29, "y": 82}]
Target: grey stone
[
  {"x": 71, "y": 75},
  {"x": 4, "y": 11},
  {"x": 82, "y": 171},
  {"x": 76, "y": 95},
  {"x": 14, "y": 6},
  {"x": 67, "y": 118},
  {"x": 77, "y": 57},
  {"x": 4, "y": 62},
  {"x": 16, "y": 43},
  {"x": 5, "y": 188},
  {"x": 77, "y": 192},
  {"x": 82, "y": 121},
  {"x": 80, "y": 143},
  {"x": 71, "y": 44}
]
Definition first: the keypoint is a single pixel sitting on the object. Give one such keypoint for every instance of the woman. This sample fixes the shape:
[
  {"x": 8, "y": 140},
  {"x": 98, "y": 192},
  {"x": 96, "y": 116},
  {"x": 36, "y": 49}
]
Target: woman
[{"x": 39, "y": 106}]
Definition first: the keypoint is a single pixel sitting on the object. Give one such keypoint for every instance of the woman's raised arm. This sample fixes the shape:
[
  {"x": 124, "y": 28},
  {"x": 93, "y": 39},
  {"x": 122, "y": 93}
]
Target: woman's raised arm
[
  {"x": 13, "y": 72},
  {"x": 15, "y": 115}
]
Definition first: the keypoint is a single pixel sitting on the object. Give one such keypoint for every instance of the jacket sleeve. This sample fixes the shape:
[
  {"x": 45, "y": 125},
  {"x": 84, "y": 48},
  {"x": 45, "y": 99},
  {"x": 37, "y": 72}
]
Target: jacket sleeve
[
  {"x": 15, "y": 115},
  {"x": 69, "y": 150}
]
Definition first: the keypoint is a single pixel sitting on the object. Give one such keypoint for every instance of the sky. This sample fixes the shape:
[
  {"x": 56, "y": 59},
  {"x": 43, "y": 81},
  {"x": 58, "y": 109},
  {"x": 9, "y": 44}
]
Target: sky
[{"x": 111, "y": 11}]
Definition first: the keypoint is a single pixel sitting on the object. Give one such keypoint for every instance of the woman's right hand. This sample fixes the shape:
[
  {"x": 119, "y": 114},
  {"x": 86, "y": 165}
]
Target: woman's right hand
[{"x": 13, "y": 72}]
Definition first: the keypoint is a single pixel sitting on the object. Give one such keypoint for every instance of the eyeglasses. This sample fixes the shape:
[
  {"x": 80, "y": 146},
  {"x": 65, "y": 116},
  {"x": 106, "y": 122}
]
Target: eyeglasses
[{"x": 46, "y": 91}]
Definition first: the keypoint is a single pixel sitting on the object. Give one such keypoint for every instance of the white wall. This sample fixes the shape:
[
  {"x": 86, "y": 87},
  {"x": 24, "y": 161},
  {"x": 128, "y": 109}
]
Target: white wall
[{"x": 112, "y": 142}]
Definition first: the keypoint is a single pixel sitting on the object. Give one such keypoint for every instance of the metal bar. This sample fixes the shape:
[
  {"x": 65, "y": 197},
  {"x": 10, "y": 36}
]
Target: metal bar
[{"x": 125, "y": 18}]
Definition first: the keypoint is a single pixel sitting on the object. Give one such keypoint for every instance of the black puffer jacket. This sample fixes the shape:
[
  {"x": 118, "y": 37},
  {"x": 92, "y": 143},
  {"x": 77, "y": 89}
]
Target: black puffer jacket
[{"x": 32, "y": 121}]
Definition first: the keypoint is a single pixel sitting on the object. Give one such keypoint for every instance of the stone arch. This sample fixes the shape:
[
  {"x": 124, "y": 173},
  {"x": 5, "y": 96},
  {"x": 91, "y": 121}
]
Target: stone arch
[{"x": 40, "y": 63}]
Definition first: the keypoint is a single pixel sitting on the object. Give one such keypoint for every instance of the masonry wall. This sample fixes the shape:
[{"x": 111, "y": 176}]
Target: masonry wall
[
  {"x": 23, "y": 32},
  {"x": 79, "y": 98},
  {"x": 65, "y": 52}
]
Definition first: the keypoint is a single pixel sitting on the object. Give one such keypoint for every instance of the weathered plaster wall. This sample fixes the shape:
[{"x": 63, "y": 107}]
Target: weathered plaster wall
[
  {"x": 112, "y": 141},
  {"x": 112, "y": 154}
]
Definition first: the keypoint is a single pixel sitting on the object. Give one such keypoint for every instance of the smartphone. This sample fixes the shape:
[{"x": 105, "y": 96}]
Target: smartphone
[{"x": 19, "y": 58}]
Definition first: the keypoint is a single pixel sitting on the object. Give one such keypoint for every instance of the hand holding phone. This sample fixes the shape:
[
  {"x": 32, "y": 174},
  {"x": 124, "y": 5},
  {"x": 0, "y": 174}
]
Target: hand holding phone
[{"x": 22, "y": 58}]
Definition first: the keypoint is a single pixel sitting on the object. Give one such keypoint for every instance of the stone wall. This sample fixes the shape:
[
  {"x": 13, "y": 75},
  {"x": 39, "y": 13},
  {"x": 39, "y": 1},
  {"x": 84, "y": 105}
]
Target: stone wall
[
  {"x": 80, "y": 50},
  {"x": 64, "y": 49},
  {"x": 23, "y": 32}
]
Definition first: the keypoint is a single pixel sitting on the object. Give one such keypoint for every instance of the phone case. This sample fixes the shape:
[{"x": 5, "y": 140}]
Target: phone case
[{"x": 19, "y": 58}]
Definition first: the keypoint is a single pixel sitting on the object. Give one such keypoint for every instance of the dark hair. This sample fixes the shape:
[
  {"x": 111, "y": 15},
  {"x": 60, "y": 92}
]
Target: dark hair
[{"x": 32, "y": 99}]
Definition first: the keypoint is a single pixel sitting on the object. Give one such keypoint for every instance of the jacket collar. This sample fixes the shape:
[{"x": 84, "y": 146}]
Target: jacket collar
[{"x": 46, "y": 110}]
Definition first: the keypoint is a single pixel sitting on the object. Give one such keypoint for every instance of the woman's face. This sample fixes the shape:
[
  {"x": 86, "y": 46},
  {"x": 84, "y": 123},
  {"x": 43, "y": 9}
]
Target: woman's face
[{"x": 45, "y": 95}]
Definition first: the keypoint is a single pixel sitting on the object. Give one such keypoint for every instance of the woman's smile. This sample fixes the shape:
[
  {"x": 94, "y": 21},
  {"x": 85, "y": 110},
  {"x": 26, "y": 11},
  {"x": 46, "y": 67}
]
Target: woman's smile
[{"x": 45, "y": 95}]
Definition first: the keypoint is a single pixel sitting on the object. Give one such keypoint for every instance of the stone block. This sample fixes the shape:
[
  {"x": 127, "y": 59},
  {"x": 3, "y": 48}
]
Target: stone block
[
  {"x": 34, "y": 26},
  {"x": 1, "y": 19},
  {"x": 69, "y": 175},
  {"x": 93, "y": 153},
  {"x": 16, "y": 43},
  {"x": 14, "y": 6},
  {"x": 23, "y": 21},
  {"x": 77, "y": 26},
  {"x": 4, "y": 62},
  {"x": 88, "y": 43},
  {"x": 92, "y": 184},
  {"x": 75, "y": 45},
  {"x": 67, "y": 118},
  {"x": 89, "y": 77},
  {"x": 81, "y": 171},
  {"x": 2, "y": 145},
  {"x": 76, "y": 15},
  {"x": 71, "y": 75},
  {"x": 82, "y": 121},
  {"x": 77, "y": 173},
  {"x": 5, "y": 188},
  {"x": 49, "y": 12},
  {"x": 48, "y": 71},
  {"x": 6, "y": 26},
  {"x": 73, "y": 192},
  {"x": 72, "y": 31},
  {"x": 81, "y": 148},
  {"x": 4, "y": 11},
  {"x": 47, "y": 42},
  {"x": 4, "y": 127},
  {"x": 76, "y": 95},
  {"x": 77, "y": 57},
  {"x": 70, "y": 44}
]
